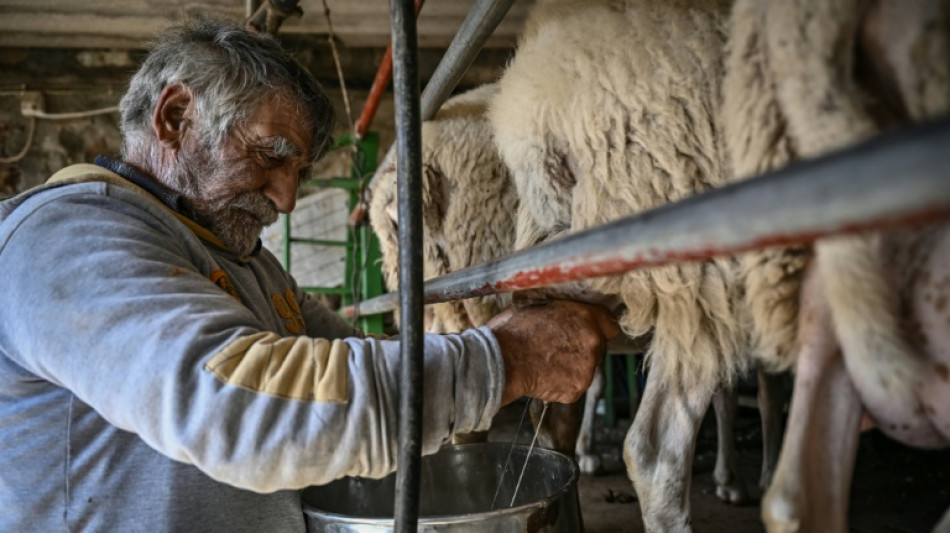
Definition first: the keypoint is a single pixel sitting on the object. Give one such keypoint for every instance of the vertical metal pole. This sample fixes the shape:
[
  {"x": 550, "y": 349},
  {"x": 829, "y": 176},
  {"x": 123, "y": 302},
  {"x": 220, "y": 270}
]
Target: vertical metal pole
[
  {"x": 409, "y": 194},
  {"x": 371, "y": 283},
  {"x": 478, "y": 26},
  {"x": 380, "y": 82}
]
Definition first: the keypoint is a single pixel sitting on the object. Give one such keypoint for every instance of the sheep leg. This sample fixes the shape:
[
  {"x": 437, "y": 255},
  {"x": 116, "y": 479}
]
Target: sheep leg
[
  {"x": 658, "y": 450},
  {"x": 813, "y": 477},
  {"x": 587, "y": 460},
  {"x": 729, "y": 486},
  {"x": 771, "y": 400},
  {"x": 944, "y": 525}
]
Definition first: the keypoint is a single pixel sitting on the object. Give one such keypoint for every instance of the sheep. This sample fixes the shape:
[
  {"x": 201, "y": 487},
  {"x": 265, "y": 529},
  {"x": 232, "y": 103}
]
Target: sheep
[
  {"x": 469, "y": 203},
  {"x": 468, "y": 206},
  {"x": 462, "y": 166},
  {"x": 611, "y": 108},
  {"x": 873, "y": 325},
  {"x": 460, "y": 230}
]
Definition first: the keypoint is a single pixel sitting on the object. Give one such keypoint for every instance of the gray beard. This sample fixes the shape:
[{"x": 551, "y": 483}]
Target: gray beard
[{"x": 236, "y": 219}]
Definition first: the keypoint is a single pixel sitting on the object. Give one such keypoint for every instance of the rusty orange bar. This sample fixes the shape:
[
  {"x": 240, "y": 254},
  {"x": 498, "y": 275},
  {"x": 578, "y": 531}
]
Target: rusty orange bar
[{"x": 383, "y": 76}]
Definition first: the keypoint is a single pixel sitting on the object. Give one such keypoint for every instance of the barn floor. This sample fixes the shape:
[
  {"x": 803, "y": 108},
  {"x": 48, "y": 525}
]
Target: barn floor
[{"x": 895, "y": 490}]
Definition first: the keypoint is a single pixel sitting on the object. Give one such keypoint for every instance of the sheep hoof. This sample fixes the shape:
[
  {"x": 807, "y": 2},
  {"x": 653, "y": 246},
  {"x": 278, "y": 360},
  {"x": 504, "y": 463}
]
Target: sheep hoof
[
  {"x": 779, "y": 513},
  {"x": 734, "y": 494},
  {"x": 589, "y": 464}
]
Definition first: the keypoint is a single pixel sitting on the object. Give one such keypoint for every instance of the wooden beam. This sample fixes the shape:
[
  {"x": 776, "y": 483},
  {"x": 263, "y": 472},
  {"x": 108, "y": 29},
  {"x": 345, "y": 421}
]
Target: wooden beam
[{"x": 132, "y": 23}]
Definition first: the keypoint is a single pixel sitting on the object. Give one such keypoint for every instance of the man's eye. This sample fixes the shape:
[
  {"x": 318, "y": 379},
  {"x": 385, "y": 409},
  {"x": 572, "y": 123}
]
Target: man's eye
[{"x": 272, "y": 159}]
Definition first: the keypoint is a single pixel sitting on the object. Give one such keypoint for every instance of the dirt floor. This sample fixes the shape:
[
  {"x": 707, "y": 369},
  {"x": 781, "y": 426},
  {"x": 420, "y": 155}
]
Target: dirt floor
[{"x": 895, "y": 489}]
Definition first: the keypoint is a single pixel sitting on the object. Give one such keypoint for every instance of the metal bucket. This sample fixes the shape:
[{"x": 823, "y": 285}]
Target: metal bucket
[{"x": 458, "y": 486}]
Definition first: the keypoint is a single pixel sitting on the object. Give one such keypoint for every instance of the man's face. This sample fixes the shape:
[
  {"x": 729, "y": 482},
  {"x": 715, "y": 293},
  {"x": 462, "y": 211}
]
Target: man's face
[{"x": 238, "y": 188}]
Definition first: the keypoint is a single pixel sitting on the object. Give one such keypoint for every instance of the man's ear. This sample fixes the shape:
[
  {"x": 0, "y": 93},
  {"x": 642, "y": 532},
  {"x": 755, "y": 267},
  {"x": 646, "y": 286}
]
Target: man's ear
[{"x": 172, "y": 115}]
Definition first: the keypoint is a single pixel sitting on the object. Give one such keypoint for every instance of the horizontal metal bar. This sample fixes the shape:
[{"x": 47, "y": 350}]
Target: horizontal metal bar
[
  {"x": 322, "y": 242},
  {"x": 325, "y": 290},
  {"x": 896, "y": 179},
  {"x": 479, "y": 24},
  {"x": 350, "y": 184}
]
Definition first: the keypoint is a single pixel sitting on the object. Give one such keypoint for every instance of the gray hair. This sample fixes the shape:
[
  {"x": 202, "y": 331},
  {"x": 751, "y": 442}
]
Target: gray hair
[{"x": 229, "y": 70}]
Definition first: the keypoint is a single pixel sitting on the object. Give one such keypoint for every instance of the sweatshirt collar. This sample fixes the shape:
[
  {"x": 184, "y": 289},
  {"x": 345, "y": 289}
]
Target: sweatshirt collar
[{"x": 167, "y": 196}]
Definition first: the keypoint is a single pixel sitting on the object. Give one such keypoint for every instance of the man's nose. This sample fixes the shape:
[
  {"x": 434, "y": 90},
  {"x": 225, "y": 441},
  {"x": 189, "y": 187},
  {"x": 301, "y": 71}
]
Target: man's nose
[{"x": 281, "y": 188}]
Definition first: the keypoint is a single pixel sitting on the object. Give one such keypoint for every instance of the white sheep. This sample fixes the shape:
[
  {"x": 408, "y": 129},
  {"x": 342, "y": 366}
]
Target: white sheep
[
  {"x": 827, "y": 74},
  {"x": 468, "y": 205},
  {"x": 611, "y": 108},
  {"x": 462, "y": 171},
  {"x": 460, "y": 230}
]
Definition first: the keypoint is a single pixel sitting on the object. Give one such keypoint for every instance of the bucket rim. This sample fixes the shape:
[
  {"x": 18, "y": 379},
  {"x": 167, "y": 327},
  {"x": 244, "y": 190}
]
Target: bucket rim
[{"x": 563, "y": 491}]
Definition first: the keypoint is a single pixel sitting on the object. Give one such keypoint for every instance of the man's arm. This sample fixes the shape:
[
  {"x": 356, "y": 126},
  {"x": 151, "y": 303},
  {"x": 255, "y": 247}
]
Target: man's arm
[{"x": 111, "y": 307}]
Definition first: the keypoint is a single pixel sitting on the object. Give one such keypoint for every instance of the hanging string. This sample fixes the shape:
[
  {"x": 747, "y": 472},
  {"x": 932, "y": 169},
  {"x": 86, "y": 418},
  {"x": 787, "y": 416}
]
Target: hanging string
[
  {"x": 357, "y": 160},
  {"x": 336, "y": 62}
]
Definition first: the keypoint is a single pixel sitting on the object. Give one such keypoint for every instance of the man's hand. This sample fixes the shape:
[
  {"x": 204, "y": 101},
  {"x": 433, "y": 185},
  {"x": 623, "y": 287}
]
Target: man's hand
[{"x": 551, "y": 350}]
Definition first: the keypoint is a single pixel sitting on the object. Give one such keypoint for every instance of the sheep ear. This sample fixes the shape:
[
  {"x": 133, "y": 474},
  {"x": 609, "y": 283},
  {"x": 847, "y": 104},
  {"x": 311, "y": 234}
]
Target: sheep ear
[{"x": 172, "y": 115}]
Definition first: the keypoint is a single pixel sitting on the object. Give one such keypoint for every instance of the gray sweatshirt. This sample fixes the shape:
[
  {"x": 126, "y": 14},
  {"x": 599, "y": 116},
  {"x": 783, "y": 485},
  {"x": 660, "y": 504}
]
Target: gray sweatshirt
[{"x": 152, "y": 381}]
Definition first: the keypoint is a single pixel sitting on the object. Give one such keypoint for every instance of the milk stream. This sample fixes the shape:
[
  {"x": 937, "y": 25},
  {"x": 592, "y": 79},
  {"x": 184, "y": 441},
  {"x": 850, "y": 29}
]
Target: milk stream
[{"x": 524, "y": 467}]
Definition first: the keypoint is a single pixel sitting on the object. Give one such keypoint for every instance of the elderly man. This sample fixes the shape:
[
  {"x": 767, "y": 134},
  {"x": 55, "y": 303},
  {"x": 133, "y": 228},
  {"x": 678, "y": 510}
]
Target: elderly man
[{"x": 159, "y": 371}]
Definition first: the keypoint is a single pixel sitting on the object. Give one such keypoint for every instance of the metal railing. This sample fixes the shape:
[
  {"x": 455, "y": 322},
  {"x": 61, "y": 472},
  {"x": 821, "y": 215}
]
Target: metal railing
[
  {"x": 896, "y": 179},
  {"x": 477, "y": 27},
  {"x": 475, "y": 30}
]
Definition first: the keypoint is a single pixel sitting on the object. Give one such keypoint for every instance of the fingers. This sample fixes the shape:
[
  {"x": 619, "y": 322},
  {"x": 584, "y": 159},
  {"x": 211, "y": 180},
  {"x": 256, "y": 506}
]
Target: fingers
[
  {"x": 604, "y": 319},
  {"x": 607, "y": 323},
  {"x": 552, "y": 350}
]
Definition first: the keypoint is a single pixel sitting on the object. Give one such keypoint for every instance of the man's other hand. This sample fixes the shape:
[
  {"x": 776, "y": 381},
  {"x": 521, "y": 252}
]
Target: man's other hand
[{"x": 552, "y": 349}]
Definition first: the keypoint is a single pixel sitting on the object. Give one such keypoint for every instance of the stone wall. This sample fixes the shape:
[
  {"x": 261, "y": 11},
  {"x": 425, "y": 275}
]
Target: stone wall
[
  {"x": 79, "y": 80},
  {"x": 75, "y": 80},
  {"x": 320, "y": 214}
]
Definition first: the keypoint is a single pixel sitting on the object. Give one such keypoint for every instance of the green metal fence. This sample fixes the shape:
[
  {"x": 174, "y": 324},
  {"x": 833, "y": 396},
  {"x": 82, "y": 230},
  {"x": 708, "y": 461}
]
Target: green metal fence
[{"x": 362, "y": 276}]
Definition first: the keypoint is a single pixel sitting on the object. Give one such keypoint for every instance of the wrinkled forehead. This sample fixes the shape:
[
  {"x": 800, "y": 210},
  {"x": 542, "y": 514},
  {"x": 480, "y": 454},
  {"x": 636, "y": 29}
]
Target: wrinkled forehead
[{"x": 281, "y": 123}]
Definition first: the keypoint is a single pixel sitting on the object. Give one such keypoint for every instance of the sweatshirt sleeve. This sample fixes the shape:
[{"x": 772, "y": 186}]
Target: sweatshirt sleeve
[
  {"x": 103, "y": 298},
  {"x": 321, "y": 320}
]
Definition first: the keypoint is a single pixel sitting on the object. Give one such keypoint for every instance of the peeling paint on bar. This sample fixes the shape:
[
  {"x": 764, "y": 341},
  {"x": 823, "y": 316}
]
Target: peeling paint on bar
[{"x": 895, "y": 180}]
